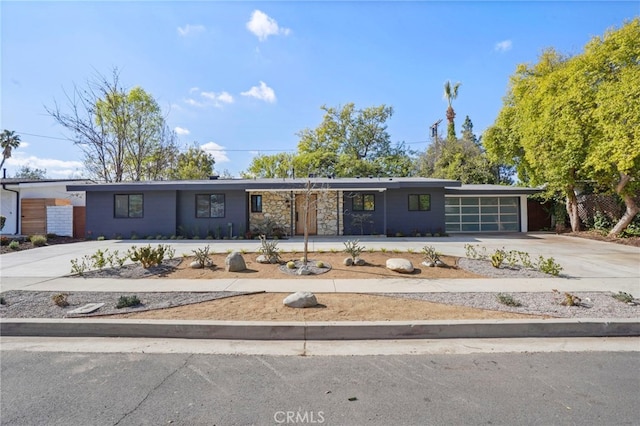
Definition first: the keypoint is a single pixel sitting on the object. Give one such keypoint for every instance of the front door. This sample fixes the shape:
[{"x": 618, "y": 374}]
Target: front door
[{"x": 312, "y": 223}]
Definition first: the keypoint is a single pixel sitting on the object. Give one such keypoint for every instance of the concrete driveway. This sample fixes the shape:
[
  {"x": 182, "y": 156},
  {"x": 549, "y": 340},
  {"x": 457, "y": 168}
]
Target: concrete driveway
[{"x": 600, "y": 264}]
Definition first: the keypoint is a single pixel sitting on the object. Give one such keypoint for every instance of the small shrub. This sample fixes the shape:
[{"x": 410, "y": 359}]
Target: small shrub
[
  {"x": 148, "y": 256},
  {"x": 100, "y": 238},
  {"x": 270, "y": 249},
  {"x": 549, "y": 266},
  {"x": 498, "y": 257},
  {"x": 60, "y": 299},
  {"x": 14, "y": 245},
  {"x": 5, "y": 241},
  {"x": 601, "y": 222},
  {"x": 202, "y": 256},
  {"x": 127, "y": 301},
  {"x": 507, "y": 299},
  {"x": 79, "y": 266},
  {"x": 291, "y": 264},
  {"x": 396, "y": 251},
  {"x": 410, "y": 251},
  {"x": 431, "y": 254},
  {"x": 476, "y": 252},
  {"x": 38, "y": 240},
  {"x": 320, "y": 264},
  {"x": 352, "y": 248},
  {"x": 383, "y": 250},
  {"x": 333, "y": 250},
  {"x": 99, "y": 259},
  {"x": 623, "y": 297},
  {"x": 567, "y": 299}
]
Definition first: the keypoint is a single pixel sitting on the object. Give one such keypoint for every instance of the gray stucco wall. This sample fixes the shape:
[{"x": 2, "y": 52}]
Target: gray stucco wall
[
  {"x": 159, "y": 215},
  {"x": 236, "y": 208},
  {"x": 374, "y": 223}
]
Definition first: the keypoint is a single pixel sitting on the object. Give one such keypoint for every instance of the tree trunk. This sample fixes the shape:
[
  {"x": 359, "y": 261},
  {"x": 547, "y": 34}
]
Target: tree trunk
[
  {"x": 572, "y": 210},
  {"x": 632, "y": 208}
]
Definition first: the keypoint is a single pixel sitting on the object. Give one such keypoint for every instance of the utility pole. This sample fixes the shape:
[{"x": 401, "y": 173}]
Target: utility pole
[{"x": 434, "y": 134}]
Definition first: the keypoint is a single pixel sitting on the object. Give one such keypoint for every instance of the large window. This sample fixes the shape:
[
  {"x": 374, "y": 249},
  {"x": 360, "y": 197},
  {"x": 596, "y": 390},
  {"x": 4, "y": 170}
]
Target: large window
[
  {"x": 419, "y": 202},
  {"x": 482, "y": 214},
  {"x": 364, "y": 203},
  {"x": 210, "y": 205},
  {"x": 256, "y": 204},
  {"x": 128, "y": 205}
]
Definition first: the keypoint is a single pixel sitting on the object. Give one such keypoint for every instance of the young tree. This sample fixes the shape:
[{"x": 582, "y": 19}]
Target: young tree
[
  {"x": 122, "y": 133},
  {"x": 8, "y": 141},
  {"x": 451, "y": 93},
  {"x": 193, "y": 164},
  {"x": 278, "y": 165}
]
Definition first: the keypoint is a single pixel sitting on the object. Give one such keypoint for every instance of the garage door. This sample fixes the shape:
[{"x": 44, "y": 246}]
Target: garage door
[{"x": 482, "y": 214}]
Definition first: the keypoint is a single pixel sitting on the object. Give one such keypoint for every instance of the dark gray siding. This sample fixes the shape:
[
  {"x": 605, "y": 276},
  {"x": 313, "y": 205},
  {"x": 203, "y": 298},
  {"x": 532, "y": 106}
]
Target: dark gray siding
[
  {"x": 159, "y": 215},
  {"x": 401, "y": 220},
  {"x": 398, "y": 217},
  {"x": 374, "y": 223},
  {"x": 236, "y": 207}
]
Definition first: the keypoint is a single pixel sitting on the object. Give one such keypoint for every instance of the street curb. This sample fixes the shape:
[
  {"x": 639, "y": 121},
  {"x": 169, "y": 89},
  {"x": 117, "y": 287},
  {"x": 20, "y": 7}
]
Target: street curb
[{"x": 352, "y": 330}]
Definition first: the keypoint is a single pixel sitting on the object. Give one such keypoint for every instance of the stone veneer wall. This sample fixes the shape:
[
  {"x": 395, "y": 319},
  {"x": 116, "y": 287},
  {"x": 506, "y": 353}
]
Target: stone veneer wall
[{"x": 277, "y": 205}]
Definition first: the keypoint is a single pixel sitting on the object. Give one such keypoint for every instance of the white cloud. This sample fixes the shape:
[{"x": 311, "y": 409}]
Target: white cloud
[
  {"x": 264, "y": 93},
  {"x": 217, "y": 151},
  {"x": 181, "y": 131},
  {"x": 193, "y": 102},
  {"x": 56, "y": 169},
  {"x": 263, "y": 26},
  {"x": 210, "y": 99},
  {"x": 503, "y": 46},
  {"x": 194, "y": 89},
  {"x": 189, "y": 30},
  {"x": 225, "y": 97}
]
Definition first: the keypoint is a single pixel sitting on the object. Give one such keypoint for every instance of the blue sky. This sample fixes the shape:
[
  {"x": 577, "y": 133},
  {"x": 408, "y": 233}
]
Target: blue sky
[{"x": 240, "y": 78}]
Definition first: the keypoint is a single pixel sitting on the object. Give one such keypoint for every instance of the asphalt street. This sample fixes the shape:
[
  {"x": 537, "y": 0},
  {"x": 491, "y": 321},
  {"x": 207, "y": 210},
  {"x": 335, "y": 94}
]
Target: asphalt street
[{"x": 62, "y": 388}]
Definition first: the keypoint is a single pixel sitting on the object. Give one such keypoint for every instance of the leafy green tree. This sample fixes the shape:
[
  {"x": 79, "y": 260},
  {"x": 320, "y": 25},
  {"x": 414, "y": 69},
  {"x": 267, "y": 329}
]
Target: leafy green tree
[
  {"x": 193, "y": 164},
  {"x": 26, "y": 172},
  {"x": 451, "y": 93},
  {"x": 278, "y": 165},
  {"x": 122, "y": 133},
  {"x": 8, "y": 141},
  {"x": 570, "y": 120}
]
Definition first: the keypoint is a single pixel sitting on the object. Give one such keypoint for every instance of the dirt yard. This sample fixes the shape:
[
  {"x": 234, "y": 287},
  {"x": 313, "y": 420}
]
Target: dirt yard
[
  {"x": 331, "y": 307},
  {"x": 374, "y": 267}
]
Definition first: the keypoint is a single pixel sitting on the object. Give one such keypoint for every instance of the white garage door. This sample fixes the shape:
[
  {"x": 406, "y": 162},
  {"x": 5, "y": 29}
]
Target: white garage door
[{"x": 482, "y": 214}]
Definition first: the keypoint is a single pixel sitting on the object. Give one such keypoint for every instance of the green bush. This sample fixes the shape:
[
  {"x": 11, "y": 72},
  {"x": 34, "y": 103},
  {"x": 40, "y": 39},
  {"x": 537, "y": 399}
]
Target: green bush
[
  {"x": 623, "y": 297},
  {"x": 353, "y": 248},
  {"x": 148, "y": 256},
  {"x": 431, "y": 254},
  {"x": 498, "y": 257},
  {"x": 549, "y": 266},
  {"x": 128, "y": 301},
  {"x": 38, "y": 240},
  {"x": 507, "y": 299},
  {"x": 202, "y": 256},
  {"x": 14, "y": 245},
  {"x": 601, "y": 222}
]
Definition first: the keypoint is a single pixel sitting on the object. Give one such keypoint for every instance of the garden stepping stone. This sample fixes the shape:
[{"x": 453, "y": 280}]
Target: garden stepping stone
[{"x": 86, "y": 309}]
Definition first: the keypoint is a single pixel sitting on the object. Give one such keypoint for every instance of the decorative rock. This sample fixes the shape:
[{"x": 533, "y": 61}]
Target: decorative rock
[
  {"x": 359, "y": 262},
  {"x": 234, "y": 262},
  {"x": 303, "y": 270},
  {"x": 195, "y": 265},
  {"x": 428, "y": 264},
  {"x": 348, "y": 261},
  {"x": 263, "y": 258},
  {"x": 400, "y": 265},
  {"x": 301, "y": 299}
]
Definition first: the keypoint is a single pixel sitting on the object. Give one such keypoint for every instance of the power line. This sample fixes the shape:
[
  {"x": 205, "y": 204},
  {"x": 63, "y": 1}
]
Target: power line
[{"x": 213, "y": 149}]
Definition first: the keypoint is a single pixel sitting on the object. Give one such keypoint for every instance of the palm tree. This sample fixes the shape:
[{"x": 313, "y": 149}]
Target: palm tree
[
  {"x": 8, "y": 140},
  {"x": 451, "y": 93}
]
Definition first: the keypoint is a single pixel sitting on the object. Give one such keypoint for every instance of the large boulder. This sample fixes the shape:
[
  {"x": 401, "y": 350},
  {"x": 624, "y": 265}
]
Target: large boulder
[
  {"x": 300, "y": 299},
  {"x": 403, "y": 266},
  {"x": 234, "y": 262}
]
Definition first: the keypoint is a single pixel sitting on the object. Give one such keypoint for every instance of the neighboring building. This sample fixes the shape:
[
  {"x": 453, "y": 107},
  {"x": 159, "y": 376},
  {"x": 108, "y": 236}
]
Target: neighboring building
[
  {"x": 38, "y": 206},
  {"x": 344, "y": 206}
]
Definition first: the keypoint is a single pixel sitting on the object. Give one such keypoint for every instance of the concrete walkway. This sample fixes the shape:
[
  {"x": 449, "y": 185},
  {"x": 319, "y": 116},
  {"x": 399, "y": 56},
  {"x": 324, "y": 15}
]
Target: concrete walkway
[{"x": 587, "y": 266}]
